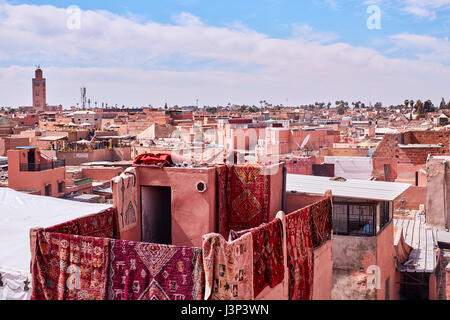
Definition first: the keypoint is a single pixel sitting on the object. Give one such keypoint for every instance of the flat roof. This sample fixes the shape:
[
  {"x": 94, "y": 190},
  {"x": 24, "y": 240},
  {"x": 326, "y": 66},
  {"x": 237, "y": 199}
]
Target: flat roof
[
  {"x": 422, "y": 239},
  {"x": 52, "y": 138},
  {"x": 351, "y": 188},
  {"x": 420, "y": 146}
]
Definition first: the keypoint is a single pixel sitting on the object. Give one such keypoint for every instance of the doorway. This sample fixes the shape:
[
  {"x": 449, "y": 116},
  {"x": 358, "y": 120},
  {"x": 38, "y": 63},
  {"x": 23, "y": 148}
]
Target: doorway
[{"x": 156, "y": 204}]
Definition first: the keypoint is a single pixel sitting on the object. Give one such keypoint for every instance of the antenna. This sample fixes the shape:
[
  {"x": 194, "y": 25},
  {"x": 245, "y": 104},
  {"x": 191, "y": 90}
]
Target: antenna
[
  {"x": 305, "y": 142},
  {"x": 83, "y": 97}
]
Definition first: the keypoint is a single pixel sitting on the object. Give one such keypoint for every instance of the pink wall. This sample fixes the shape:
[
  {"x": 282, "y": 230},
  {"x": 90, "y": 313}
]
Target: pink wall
[
  {"x": 100, "y": 173},
  {"x": 10, "y": 143},
  {"x": 300, "y": 165},
  {"x": 78, "y": 157},
  {"x": 323, "y": 271},
  {"x": 447, "y": 281},
  {"x": 412, "y": 198},
  {"x": 24, "y": 180},
  {"x": 296, "y": 201},
  {"x": 193, "y": 213},
  {"x": 386, "y": 261},
  {"x": 276, "y": 190}
]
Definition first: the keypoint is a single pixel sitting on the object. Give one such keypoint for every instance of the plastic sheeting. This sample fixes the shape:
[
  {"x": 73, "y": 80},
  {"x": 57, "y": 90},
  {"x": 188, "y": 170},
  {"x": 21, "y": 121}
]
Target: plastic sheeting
[
  {"x": 20, "y": 212},
  {"x": 14, "y": 285},
  {"x": 359, "y": 168}
]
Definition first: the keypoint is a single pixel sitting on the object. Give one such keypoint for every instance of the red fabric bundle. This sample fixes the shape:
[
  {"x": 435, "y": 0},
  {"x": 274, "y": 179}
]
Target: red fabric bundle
[{"x": 158, "y": 160}]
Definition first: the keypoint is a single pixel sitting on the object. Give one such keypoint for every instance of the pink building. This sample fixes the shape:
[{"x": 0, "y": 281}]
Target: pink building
[{"x": 29, "y": 171}]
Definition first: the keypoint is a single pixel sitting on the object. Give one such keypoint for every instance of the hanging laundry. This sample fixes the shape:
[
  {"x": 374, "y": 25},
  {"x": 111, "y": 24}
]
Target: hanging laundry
[
  {"x": 322, "y": 221},
  {"x": 158, "y": 160},
  {"x": 69, "y": 267},
  {"x": 69, "y": 227},
  {"x": 248, "y": 198},
  {"x": 146, "y": 271},
  {"x": 234, "y": 235},
  {"x": 222, "y": 198},
  {"x": 300, "y": 254},
  {"x": 228, "y": 267},
  {"x": 268, "y": 259},
  {"x": 102, "y": 225},
  {"x": 125, "y": 196}
]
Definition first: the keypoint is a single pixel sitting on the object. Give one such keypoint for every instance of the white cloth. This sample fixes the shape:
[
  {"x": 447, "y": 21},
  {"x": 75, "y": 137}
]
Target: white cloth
[
  {"x": 20, "y": 212},
  {"x": 14, "y": 285}
]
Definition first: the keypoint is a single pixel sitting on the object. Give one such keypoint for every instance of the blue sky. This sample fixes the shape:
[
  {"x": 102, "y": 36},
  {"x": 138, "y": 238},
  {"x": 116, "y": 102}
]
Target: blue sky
[
  {"x": 345, "y": 18},
  {"x": 227, "y": 50}
]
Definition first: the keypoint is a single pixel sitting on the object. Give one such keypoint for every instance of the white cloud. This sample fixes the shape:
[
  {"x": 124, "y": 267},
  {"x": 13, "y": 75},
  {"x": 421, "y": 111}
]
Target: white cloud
[
  {"x": 425, "y": 8},
  {"x": 187, "y": 19},
  {"x": 425, "y": 48},
  {"x": 307, "y": 33},
  {"x": 124, "y": 61}
]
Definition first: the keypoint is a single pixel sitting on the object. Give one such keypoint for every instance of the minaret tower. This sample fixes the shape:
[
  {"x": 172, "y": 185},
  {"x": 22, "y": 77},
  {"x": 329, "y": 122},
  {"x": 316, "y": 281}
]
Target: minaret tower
[{"x": 39, "y": 91}]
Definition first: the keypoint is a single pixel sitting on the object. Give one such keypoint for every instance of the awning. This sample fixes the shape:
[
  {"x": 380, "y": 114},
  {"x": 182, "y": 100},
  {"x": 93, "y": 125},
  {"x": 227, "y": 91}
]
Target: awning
[{"x": 21, "y": 212}]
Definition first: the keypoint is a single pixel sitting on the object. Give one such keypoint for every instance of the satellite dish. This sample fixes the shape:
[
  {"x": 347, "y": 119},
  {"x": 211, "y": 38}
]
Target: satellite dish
[{"x": 305, "y": 142}]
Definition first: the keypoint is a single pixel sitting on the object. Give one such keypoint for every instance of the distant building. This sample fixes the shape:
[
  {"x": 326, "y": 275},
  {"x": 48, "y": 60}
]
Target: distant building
[
  {"x": 89, "y": 119},
  {"x": 39, "y": 91},
  {"x": 31, "y": 172}
]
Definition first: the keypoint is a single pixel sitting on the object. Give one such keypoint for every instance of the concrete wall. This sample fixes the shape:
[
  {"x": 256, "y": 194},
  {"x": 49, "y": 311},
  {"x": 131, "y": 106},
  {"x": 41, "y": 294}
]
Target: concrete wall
[
  {"x": 323, "y": 271},
  {"x": 351, "y": 258},
  {"x": 438, "y": 193},
  {"x": 351, "y": 167}
]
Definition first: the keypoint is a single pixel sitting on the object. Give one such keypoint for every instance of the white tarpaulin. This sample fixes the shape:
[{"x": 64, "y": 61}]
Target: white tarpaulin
[
  {"x": 20, "y": 212},
  {"x": 351, "y": 167}
]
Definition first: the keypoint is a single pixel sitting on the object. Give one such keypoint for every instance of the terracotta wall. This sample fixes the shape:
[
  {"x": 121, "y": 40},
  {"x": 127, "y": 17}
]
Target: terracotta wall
[
  {"x": 296, "y": 201},
  {"x": 9, "y": 143},
  {"x": 447, "y": 281},
  {"x": 24, "y": 180},
  {"x": 346, "y": 152},
  {"x": 100, "y": 173},
  {"x": 78, "y": 157},
  {"x": 193, "y": 213},
  {"x": 385, "y": 260},
  {"x": 300, "y": 165},
  {"x": 378, "y": 168},
  {"x": 411, "y": 199}
]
